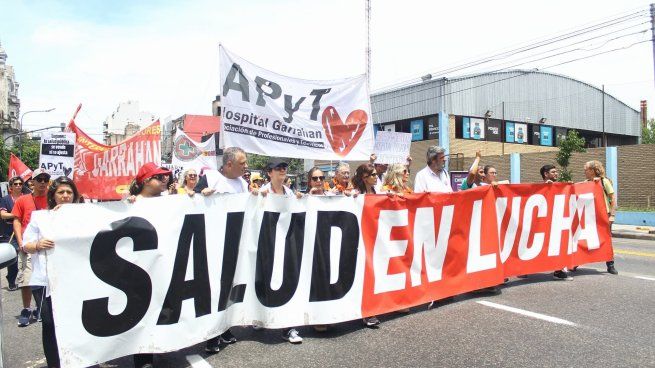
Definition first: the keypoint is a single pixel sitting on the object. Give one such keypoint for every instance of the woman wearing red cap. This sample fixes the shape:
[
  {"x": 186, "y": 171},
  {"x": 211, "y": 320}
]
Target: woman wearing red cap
[{"x": 150, "y": 181}]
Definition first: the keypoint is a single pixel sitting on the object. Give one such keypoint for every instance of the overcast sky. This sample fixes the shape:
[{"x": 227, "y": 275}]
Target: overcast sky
[{"x": 164, "y": 54}]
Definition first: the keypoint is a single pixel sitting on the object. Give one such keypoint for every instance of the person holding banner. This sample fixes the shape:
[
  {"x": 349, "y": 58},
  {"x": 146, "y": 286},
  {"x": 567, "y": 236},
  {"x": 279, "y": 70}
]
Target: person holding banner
[
  {"x": 22, "y": 211},
  {"x": 189, "y": 181},
  {"x": 366, "y": 179},
  {"x": 316, "y": 182},
  {"x": 395, "y": 182},
  {"x": 594, "y": 170},
  {"x": 340, "y": 184},
  {"x": 7, "y": 234},
  {"x": 229, "y": 178},
  {"x": 434, "y": 177},
  {"x": 37, "y": 243}
]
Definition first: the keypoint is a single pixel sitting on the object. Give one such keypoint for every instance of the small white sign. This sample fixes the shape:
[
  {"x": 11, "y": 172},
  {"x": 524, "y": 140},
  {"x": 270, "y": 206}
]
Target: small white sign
[{"x": 392, "y": 147}]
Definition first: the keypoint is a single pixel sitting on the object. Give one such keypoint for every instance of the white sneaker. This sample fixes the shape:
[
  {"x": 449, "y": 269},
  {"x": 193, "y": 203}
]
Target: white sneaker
[{"x": 292, "y": 336}]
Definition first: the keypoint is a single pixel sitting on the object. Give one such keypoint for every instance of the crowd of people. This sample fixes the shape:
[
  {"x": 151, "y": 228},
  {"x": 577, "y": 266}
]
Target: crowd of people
[{"x": 30, "y": 237}]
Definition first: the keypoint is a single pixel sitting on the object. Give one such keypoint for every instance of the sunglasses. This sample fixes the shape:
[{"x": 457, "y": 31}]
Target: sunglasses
[
  {"x": 160, "y": 177},
  {"x": 280, "y": 168},
  {"x": 42, "y": 179},
  {"x": 192, "y": 176},
  {"x": 405, "y": 172},
  {"x": 17, "y": 184},
  {"x": 318, "y": 178}
]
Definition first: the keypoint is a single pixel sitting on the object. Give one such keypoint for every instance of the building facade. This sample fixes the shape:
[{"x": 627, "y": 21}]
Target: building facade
[
  {"x": 123, "y": 122},
  {"x": 9, "y": 101},
  {"x": 517, "y": 111}
]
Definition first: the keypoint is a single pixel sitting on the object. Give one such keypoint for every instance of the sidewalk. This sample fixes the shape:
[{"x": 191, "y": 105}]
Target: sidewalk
[{"x": 633, "y": 232}]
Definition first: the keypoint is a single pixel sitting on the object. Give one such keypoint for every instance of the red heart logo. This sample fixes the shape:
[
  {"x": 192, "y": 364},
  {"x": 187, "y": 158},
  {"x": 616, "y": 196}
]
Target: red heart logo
[{"x": 343, "y": 136}]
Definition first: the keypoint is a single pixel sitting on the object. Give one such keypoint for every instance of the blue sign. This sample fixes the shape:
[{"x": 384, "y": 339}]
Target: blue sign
[
  {"x": 416, "y": 127},
  {"x": 546, "y": 138},
  {"x": 509, "y": 132},
  {"x": 466, "y": 127}
]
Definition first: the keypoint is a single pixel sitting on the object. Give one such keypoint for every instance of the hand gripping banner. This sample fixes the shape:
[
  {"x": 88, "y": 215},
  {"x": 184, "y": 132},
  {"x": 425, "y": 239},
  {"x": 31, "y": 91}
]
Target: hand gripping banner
[
  {"x": 275, "y": 115},
  {"x": 166, "y": 273}
]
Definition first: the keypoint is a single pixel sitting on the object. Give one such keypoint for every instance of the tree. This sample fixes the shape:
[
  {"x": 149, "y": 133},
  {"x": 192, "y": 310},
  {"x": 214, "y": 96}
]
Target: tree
[
  {"x": 31, "y": 151},
  {"x": 571, "y": 143},
  {"x": 648, "y": 133}
]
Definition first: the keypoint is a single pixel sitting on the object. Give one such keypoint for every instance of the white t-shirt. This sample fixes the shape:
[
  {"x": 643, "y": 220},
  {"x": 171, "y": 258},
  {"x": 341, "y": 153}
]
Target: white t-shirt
[
  {"x": 222, "y": 184},
  {"x": 427, "y": 181},
  {"x": 287, "y": 190},
  {"x": 37, "y": 229}
]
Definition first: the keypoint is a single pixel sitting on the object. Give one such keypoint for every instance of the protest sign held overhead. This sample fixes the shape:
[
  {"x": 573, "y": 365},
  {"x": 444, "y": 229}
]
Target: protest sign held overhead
[
  {"x": 105, "y": 172},
  {"x": 392, "y": 147},
  {"x": 124, "y": 284},
  {"x": 57, "y": 154},
  {"x": 271, "y": 114},
  {"x": 18, "y": 168},
  {"x": 190, "y": 154}
]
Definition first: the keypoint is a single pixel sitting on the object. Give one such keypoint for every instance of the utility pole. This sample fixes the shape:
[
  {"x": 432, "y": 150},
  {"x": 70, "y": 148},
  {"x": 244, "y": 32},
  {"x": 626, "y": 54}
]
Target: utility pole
[
  {"x": 502, "y": 133},
  {"x": 367, "y": 3},
  {"x": 604, "y": 135},
  {"x": 652, "y": 32}
]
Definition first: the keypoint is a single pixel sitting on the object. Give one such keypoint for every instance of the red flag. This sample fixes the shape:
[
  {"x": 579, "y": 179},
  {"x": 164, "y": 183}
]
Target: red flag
[
  {"x": 105, "y": 172},
  {"x": 18, "y": 168}
]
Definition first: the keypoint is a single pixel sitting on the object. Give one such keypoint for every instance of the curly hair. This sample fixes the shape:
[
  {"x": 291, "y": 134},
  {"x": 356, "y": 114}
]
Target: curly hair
[{"x": 62, "y": 180}]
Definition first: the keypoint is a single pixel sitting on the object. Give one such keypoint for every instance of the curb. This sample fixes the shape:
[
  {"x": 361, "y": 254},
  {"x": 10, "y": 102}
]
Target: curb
[{"x": 633, "y": 235}]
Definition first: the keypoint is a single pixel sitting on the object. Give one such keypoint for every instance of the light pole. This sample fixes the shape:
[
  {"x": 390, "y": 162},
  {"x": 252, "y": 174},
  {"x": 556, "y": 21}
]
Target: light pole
[{"x": 20, "y": 154}]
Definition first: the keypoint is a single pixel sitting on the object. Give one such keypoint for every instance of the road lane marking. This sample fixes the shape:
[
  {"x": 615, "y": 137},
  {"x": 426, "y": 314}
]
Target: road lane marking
[
  {"x": 197, "y": 361},
  {"x": 645, "y": 278},
  {"x": 523, "y": 312},
  {"x": 634, "y": 253}
]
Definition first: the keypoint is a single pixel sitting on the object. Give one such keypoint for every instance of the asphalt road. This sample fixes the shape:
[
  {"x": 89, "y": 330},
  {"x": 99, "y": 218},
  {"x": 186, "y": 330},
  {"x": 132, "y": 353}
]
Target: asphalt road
[{"x": 596, "y": 320}]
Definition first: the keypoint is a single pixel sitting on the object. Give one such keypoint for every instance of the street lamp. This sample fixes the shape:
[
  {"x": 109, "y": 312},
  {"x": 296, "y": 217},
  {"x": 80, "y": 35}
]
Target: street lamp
[{"x": 20, "y": 154}]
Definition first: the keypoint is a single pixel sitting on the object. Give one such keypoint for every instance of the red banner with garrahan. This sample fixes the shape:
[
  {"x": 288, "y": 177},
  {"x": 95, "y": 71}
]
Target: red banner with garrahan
[
  {"x": 425, "y": 247},
  {"x": 105, "y": 172}
]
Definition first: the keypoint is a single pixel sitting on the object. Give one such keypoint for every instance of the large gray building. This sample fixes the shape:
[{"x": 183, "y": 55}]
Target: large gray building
[{"x": 525, "y": 110}]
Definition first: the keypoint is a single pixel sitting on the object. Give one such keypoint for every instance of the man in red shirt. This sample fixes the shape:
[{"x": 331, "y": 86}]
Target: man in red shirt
[{"x": 22, "y": 212}]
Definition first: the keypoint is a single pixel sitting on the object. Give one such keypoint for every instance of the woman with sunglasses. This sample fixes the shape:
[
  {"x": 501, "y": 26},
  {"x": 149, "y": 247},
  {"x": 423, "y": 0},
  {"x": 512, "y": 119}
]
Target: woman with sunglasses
[
  {"x": 189, "y": 181},
  {"x": 316, "y": 182},
  {"x": 365, "y": 179},
  {"x": 6, "y": 225},
  {"x": 150, "y": 181},
  {"x": 396, "y": 180},
  {"x": 36, "y": 242}
]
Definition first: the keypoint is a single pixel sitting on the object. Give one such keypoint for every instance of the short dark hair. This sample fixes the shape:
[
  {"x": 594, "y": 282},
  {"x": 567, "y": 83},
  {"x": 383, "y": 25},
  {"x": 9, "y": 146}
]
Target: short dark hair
[
  {"x": 544, "y": 169},
  {"x": 487, "y": 167}
]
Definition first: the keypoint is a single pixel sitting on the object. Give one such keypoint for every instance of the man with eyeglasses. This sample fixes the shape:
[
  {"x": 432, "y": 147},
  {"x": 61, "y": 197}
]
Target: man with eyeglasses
[
  {"x": 22, "y": 211},
  {"x": 434, "y": 177},
  {"x": 7, "y": 225},
  {"x": 341, "y": 183}
]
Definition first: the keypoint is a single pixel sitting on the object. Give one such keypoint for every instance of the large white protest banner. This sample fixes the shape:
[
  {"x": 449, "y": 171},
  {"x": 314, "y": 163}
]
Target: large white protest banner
[
  {"x": 392, "y": 147},
  {"x": 57, "y": 153},
  {"x": 190, "y": 154},
  {"x": 275, "y": 115},
  {"x": 167, "y": 273}
]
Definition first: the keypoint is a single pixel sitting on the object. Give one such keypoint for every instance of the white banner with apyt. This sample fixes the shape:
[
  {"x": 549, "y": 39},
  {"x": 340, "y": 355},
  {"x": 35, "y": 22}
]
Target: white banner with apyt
[
  {"x": 271, "y": 114},
  {"x": 134, "y": 278},
  {"x": 57, "y": 154}
]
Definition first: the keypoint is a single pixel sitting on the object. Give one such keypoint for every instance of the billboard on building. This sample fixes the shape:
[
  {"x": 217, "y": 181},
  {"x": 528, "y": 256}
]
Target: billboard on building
[
  {"x": 416, "y": 128},
  {"x": 389, "y": 128},
  {"x": 546, "y": 135},
  {"x": 509, "y": 132},
  {"x": 433, "y": 127},
  {"x": 520, "y": 133},
  {"x": 560, "y": 134},
  {"x": 535, "y": 134},
  {"x": 493, "y": 131},
  {"x": 477, "y": 129}
]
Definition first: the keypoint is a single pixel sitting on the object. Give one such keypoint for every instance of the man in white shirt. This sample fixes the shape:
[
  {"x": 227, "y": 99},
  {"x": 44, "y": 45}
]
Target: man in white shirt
[
  {"x": 434, "y": 177},
  {"x": 228, "y": 179}
]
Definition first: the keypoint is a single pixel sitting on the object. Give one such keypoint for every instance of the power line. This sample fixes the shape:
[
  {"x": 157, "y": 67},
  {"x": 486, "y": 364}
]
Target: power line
[
  {"x": 521, "y": 73},
  {"x": 505, "y": 54}
]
